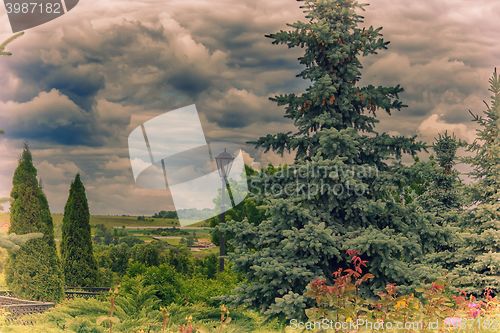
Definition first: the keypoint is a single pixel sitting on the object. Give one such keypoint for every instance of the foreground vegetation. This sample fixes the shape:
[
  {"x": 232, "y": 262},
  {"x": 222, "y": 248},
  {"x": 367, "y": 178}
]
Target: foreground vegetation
[{"x": 134, "y": 306}]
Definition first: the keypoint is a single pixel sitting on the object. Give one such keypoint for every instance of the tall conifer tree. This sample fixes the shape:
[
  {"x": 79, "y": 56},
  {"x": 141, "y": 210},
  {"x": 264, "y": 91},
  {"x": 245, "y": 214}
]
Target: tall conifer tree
[
  {"x": 79, "y": 264},
  {"x": 13, "y": 242},
  {"x": 343, "y": 190},
  {"x": 34, "y": 271},
  {"x": 440, "y": 192},
  {"x": 480, "y": 260}
]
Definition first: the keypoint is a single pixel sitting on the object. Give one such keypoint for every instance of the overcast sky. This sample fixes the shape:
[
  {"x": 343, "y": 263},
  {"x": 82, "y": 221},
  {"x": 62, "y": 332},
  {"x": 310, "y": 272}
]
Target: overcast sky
[{"x": 77, "y": 87}]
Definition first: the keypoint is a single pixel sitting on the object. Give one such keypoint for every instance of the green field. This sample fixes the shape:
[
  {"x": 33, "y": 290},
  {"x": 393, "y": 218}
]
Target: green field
[
  {"x": 111, "y": 221},
  {"x": 131, "y": 224},
  {"x": 116, "y": 222}
]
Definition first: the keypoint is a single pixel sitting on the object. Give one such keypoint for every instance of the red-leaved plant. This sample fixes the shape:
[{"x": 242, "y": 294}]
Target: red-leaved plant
[{"x": 340, "y": 301}]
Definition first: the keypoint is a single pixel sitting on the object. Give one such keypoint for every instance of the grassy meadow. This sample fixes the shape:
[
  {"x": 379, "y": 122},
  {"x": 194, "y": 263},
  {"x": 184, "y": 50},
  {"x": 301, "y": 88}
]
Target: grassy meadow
[{"x": 114, "y": 222}]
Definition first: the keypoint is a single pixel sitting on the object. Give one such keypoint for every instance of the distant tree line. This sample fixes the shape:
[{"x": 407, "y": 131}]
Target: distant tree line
[{"x": 164, "y": 214}]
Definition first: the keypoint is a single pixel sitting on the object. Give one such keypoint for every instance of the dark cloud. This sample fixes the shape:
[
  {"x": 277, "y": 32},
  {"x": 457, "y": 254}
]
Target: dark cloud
[
  {"x": 237, "y": 108},
  {"x": 78, "y": 85},
  {"x": 51, "y": 117},
  {"x": 442, "y": 52}
]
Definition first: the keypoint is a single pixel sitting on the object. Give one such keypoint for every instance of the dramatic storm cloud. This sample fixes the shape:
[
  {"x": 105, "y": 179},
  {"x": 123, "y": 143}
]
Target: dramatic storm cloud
[{"x": 79, "y": 85}]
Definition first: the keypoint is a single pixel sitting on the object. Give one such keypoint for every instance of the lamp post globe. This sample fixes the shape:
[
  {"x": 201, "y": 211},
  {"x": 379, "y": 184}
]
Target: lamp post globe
[{"x": 224, "y": 162}]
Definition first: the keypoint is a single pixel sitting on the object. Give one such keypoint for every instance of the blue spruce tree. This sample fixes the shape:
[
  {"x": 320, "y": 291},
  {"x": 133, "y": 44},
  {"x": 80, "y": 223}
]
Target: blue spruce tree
[
  {"x": 344, "y": 190},
  {"x": 478, "y": 266}
]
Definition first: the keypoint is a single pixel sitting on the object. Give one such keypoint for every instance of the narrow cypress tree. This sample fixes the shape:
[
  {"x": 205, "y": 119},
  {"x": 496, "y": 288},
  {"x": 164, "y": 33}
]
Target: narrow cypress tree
[
  {"x": 13, "y": 242},
  {"x": 80, "y": 267},
  {"x": 34, "y": 271}
]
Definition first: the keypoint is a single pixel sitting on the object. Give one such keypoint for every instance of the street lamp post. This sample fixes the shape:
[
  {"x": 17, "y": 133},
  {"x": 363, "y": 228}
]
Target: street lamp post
[{"x": 224, "y": 162}]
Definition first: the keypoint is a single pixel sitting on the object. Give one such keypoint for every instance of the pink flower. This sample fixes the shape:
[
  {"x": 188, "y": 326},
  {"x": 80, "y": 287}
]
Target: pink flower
[
  {"x": 475, "y": 313},
  {"x": 474, "y": 309},
  {"x": 473, "y": 305}
]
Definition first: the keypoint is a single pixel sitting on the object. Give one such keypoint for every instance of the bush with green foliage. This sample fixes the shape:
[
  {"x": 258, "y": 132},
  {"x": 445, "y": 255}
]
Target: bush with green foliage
[
  {"x": 138, "y": 302},
  {"x": 180, "y": 258},
  {"x": 113, "y": 258},
  {"x": 103, "y": 235},
  {"x": 34, "y": 272},
  {"x": 148, "y": 254},
  {"x": 173, "y": 287},
  {"x": 119, "y": 257},
  {"x": 130, "y": 240},
  {"x": 94, "y": 316},
  {"x": 199, "y": 289},
  {"x": 207, "y": 266},
  {"x": 79, "y": 264},
  {"x": 164, "y": 278}
]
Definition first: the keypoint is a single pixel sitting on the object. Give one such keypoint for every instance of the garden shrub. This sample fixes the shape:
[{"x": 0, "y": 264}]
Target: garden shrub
[
  {"x": 199, "y": 289},
  {"x": 166, "y": 280}
]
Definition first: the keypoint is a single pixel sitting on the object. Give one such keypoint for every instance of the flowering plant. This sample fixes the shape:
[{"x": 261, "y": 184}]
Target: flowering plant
[{"x": 341, "y": 301}]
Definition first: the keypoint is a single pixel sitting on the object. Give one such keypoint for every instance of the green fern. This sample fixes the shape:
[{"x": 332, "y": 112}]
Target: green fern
[
  {"x": 137, "y": 305},
  {"x": 14, "y": 242}
]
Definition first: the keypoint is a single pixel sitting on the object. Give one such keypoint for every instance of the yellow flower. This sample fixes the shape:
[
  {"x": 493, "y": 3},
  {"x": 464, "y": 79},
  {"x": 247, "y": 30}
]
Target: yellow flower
[
  {"x": 349, "y": 320},
  {"x": 401, "y": 304}
]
